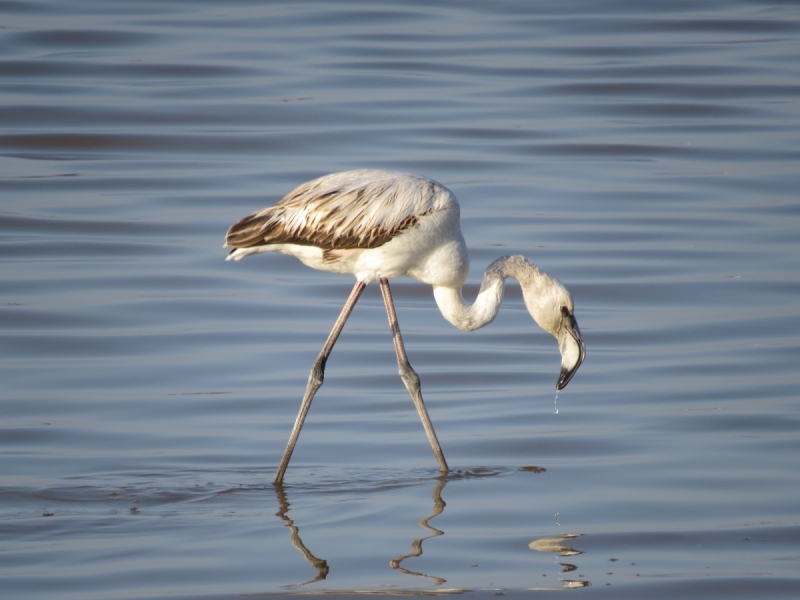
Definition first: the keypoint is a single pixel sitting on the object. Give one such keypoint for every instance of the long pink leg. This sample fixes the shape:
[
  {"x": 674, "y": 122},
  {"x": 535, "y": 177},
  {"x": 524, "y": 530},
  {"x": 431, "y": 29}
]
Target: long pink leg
[
  {"x": 410, "y": 377},
  {"x": 316, "y": 377}
]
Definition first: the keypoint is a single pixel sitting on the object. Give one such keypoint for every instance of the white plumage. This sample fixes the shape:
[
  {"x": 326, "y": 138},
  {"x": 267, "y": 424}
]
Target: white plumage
[
  {"x": 379, "y": 225},
  {"x": 373, "y": 224}
]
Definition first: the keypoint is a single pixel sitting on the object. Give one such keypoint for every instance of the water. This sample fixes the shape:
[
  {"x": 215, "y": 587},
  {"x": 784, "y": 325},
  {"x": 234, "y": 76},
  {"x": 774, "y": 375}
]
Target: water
[{"x": 646, "y": 154}]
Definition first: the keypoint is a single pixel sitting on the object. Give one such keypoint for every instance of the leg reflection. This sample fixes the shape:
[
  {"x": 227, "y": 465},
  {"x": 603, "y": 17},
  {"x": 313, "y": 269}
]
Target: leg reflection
[
  {"x": 319, "y": 564},
  {"x": 416, "y": 545}
]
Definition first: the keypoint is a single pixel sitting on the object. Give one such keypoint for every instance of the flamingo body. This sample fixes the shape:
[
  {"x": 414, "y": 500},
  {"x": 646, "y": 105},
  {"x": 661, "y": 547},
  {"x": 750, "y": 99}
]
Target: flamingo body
[{"x": 371, "y": 224}]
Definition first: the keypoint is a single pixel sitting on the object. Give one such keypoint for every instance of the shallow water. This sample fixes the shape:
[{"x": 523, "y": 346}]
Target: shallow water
[{"x": 646, "y": 154}]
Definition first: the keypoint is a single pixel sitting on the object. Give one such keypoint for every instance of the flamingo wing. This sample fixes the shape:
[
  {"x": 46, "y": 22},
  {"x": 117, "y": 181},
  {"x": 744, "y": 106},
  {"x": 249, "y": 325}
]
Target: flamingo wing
[{"x": 353, "y": 209}]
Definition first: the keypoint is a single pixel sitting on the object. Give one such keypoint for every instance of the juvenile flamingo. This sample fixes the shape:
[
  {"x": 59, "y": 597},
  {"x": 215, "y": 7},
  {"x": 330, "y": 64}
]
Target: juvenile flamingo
[{"x": 379, "y": 225}]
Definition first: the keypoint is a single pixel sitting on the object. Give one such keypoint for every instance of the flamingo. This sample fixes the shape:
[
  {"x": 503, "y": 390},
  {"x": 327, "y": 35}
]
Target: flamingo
[{"x": 379, "y": 225}]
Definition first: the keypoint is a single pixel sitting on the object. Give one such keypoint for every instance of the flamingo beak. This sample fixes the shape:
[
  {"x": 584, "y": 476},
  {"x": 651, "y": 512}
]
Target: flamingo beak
[{"x": 573, "y": 351}]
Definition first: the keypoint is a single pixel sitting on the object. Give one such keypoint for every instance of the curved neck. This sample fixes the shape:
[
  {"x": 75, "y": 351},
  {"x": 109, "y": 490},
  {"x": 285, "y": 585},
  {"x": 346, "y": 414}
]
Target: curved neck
[{"x": 468, "y": 318}]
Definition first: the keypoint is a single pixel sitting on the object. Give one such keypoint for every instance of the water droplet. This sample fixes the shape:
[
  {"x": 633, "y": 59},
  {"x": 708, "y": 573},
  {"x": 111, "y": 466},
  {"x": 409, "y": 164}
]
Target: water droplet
[{"x": 555, "y": 404}]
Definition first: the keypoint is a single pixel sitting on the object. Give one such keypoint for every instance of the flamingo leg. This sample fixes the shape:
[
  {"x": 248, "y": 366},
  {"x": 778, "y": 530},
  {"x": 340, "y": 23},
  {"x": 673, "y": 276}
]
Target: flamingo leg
[
  {"x": 409, "y": 376},
  {"x": 316, "y": 377}
]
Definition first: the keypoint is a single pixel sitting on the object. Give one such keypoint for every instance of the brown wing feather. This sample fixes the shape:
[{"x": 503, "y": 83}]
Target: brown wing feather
[{"x": 356, "y": 209}]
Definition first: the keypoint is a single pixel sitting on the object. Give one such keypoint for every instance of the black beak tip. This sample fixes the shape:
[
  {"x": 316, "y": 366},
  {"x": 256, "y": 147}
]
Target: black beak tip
[
  {"x": 563, "y": 379},
  {"x": 566, "y": 375}
]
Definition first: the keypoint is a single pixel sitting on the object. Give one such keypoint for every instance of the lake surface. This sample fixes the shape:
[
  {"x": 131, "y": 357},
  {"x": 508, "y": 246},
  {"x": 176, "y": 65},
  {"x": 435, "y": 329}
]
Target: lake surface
[{"x": 647, "y": 154}]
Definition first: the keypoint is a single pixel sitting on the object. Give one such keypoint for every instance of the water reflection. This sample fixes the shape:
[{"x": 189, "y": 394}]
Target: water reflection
[
  {"x": 416, "y": 545},
  {"x": 555, "y": 545},
  {"x": 321, "y": 565}
]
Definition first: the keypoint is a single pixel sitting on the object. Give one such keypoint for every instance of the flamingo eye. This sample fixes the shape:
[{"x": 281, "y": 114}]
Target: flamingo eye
[{"x": 565, "y": 311}]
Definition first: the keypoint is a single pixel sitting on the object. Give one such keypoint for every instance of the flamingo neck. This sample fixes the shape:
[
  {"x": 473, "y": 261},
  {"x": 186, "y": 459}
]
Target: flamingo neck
[{"x": 486, "y": 306}]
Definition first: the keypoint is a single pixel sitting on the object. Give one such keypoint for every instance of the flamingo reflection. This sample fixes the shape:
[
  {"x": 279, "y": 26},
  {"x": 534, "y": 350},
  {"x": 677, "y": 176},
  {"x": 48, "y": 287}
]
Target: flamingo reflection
[
  {"x": 416, "y": 545},
  {"x": 321, "y": 565},
  {"x": 555, "y": 545}
]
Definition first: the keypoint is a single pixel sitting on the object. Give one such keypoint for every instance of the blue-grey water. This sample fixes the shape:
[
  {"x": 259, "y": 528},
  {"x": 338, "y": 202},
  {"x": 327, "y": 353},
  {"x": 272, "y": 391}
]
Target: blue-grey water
[{"x": 645, "y": 153}]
